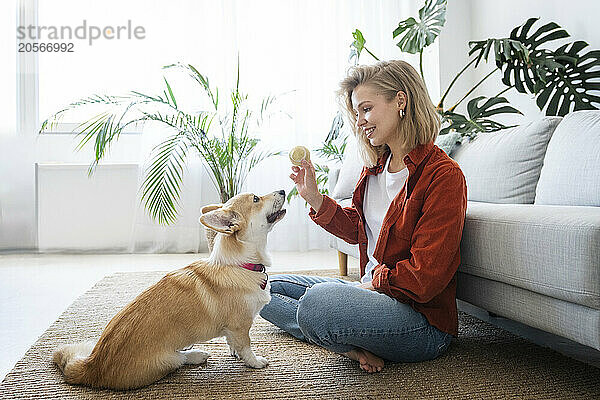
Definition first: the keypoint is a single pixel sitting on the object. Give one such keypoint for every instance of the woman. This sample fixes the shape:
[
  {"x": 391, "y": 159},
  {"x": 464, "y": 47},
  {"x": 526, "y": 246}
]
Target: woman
[{"x": 407, "y": 216}]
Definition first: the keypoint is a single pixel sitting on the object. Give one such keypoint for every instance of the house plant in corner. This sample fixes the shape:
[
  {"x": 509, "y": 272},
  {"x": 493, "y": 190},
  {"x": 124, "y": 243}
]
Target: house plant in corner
[{"x": 220, "y": 136}]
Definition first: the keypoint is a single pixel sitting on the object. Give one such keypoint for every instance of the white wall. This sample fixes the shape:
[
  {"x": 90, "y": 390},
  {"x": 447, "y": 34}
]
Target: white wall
[
  {"x": 483, "y": 19},
  {"x": 453, "y": 47}
]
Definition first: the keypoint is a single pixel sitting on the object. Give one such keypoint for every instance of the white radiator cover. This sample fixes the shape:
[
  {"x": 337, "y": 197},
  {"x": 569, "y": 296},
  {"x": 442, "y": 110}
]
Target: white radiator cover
[{"x": 77, "y": 212}]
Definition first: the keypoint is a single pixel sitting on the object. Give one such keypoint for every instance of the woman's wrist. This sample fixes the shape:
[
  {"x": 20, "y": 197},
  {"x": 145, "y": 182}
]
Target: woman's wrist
[{"x": 316, "y": 202}]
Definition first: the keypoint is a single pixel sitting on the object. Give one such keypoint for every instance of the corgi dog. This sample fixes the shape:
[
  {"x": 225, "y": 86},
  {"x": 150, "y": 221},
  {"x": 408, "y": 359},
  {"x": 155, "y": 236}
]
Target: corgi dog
[{"x": 214, "y": 297}]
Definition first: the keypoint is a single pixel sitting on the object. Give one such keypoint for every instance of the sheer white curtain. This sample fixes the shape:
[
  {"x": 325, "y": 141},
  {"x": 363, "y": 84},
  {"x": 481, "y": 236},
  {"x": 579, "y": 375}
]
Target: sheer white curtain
[
  {"x": 296, "y": 50},
  {"x": 8, "y": 122},
  {"x": 8, "y": 49}
]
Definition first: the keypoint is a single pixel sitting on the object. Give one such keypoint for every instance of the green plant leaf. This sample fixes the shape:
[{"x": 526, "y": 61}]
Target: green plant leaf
[
  {"x": 357, "y": 46},
  {"x": 505, "y": 50},
  {"x": 161, "y": 189},
  {"x": 170, "y": 93},
  {"x": 524, "y": 75},
  {"x": 477, "y": 120},
  {"x": 416, "y": 35},
  {"x": 575, "y": 85},
  {"x": 333, "y": 151},
  {"x": 563, "y": 80},
  {"x": 292, "y": 193},
  {"x": 201, "y": 79}
]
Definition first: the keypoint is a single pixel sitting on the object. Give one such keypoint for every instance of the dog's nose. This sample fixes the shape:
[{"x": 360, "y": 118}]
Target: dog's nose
[{"x": 282, "y": 192}]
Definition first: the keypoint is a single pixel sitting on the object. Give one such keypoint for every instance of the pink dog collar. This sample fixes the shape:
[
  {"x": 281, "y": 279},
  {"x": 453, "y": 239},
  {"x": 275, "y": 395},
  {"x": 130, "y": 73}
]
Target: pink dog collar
[{"x": 257, "y": 268}]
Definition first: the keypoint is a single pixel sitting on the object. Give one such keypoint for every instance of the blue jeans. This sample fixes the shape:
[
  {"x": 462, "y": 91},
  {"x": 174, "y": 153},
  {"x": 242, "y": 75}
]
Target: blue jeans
[{"x": 340, "y": 317}]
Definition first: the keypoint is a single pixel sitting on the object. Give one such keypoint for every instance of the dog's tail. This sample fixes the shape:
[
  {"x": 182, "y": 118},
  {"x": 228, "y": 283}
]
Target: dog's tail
[{"x": 72, "y": 361}]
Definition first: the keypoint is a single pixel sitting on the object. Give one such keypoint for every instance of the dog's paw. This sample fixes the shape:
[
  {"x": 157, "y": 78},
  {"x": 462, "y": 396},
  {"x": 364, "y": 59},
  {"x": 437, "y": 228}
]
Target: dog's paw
[
  {"x": 234, "y": 353},
  {"x": 195, "y": 356},
  {"x": 258, "y": 363}
]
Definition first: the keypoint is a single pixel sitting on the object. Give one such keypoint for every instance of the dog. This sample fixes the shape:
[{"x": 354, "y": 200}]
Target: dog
[{"x": 214, "y": 297}]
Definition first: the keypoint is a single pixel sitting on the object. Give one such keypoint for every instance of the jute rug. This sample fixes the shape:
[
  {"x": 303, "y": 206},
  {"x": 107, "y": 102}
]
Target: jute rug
[{"x": 483, "y": 362}]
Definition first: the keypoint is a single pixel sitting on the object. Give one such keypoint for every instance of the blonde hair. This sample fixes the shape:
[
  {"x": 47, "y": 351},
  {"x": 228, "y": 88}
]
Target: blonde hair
[{"x": 421, "y": 122}]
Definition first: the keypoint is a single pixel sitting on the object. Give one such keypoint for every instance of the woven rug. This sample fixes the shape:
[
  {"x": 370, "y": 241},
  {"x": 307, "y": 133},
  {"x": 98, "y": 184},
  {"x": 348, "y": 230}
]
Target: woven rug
[{"x": 483, "y": 362}]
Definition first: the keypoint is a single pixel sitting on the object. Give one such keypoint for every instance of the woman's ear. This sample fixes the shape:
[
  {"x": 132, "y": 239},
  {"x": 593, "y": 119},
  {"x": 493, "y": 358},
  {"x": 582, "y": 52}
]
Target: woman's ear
[
  {"x": 400, "y": 100},
  {"x": 221, "y": 220}
]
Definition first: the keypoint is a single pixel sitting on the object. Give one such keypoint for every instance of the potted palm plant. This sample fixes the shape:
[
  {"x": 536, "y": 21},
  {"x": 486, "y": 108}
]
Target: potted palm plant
[{"x": 220, "y": 136}]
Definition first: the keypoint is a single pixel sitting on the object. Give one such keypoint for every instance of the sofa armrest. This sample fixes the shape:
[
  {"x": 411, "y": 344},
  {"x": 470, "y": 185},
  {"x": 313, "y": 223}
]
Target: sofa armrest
[
  {"x": 332, "y": 178},
  {"x": 339, "y": 244}
]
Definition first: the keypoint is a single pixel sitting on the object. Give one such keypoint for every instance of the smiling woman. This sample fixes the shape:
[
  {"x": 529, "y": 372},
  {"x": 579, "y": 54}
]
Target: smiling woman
[{"x": 407, "y": 214}]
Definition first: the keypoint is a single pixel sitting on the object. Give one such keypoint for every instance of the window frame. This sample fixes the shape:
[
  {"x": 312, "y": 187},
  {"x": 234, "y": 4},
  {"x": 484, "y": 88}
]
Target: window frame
[{"x": 28, "y": 119}]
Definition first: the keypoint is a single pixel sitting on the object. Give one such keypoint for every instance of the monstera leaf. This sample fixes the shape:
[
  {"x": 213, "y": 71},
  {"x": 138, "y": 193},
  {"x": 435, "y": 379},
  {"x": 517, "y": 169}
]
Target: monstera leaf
[
  {"x": 416, "y": 35},
  {"x": 562, "y": 80},
  {"x": 573, "y": 84},
  {"x": 523, "y": 76},
  {"x": 505, "y": 50},
  {"x": 478, "y": 121},
  {"x": 357, "y": 46}
]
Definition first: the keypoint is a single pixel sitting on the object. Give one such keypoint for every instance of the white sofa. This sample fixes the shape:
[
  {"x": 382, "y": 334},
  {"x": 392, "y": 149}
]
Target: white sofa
[{"x": 531, "y": 242}]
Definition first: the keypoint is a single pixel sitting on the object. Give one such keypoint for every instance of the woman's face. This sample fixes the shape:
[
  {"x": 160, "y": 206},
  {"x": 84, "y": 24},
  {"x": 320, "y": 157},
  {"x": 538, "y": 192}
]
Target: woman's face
[{"x": 376, "y": 118}]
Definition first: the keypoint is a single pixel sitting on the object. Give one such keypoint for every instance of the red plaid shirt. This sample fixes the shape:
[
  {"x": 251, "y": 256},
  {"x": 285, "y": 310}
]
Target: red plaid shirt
[{"x": 418, "y": 249}]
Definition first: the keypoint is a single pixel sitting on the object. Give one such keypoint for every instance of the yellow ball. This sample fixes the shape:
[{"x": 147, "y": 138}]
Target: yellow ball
[{"x": 299, "y": 153}]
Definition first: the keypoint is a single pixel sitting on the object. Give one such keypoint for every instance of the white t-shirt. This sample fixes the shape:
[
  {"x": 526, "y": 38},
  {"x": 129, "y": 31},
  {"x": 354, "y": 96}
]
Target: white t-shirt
[{"x": 381, "y": 190}]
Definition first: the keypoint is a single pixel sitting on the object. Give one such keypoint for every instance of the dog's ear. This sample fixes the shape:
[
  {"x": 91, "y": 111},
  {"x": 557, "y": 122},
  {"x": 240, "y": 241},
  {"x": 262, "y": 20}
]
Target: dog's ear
[
  {"x": 222, "y": 220},
  {"x": 210, "y": 208}
]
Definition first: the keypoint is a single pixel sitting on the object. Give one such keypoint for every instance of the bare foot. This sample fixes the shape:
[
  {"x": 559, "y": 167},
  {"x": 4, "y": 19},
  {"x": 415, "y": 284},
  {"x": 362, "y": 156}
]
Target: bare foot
[{"x": 367, "y": 360}]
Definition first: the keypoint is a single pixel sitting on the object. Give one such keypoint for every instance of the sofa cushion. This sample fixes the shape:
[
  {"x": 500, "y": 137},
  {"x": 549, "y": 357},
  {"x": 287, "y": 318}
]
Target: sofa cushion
[
  {"x": 449, "y": 142},
  {"x": 349, "y": 172},
  {"x": 570, "y": 175},
  {"x": 504, "y": 166},
  {"x": 552, "y": 250}
]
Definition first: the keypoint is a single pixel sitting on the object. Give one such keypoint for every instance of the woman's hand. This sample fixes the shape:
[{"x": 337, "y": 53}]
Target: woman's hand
[{"x": 306, "y": 182}]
